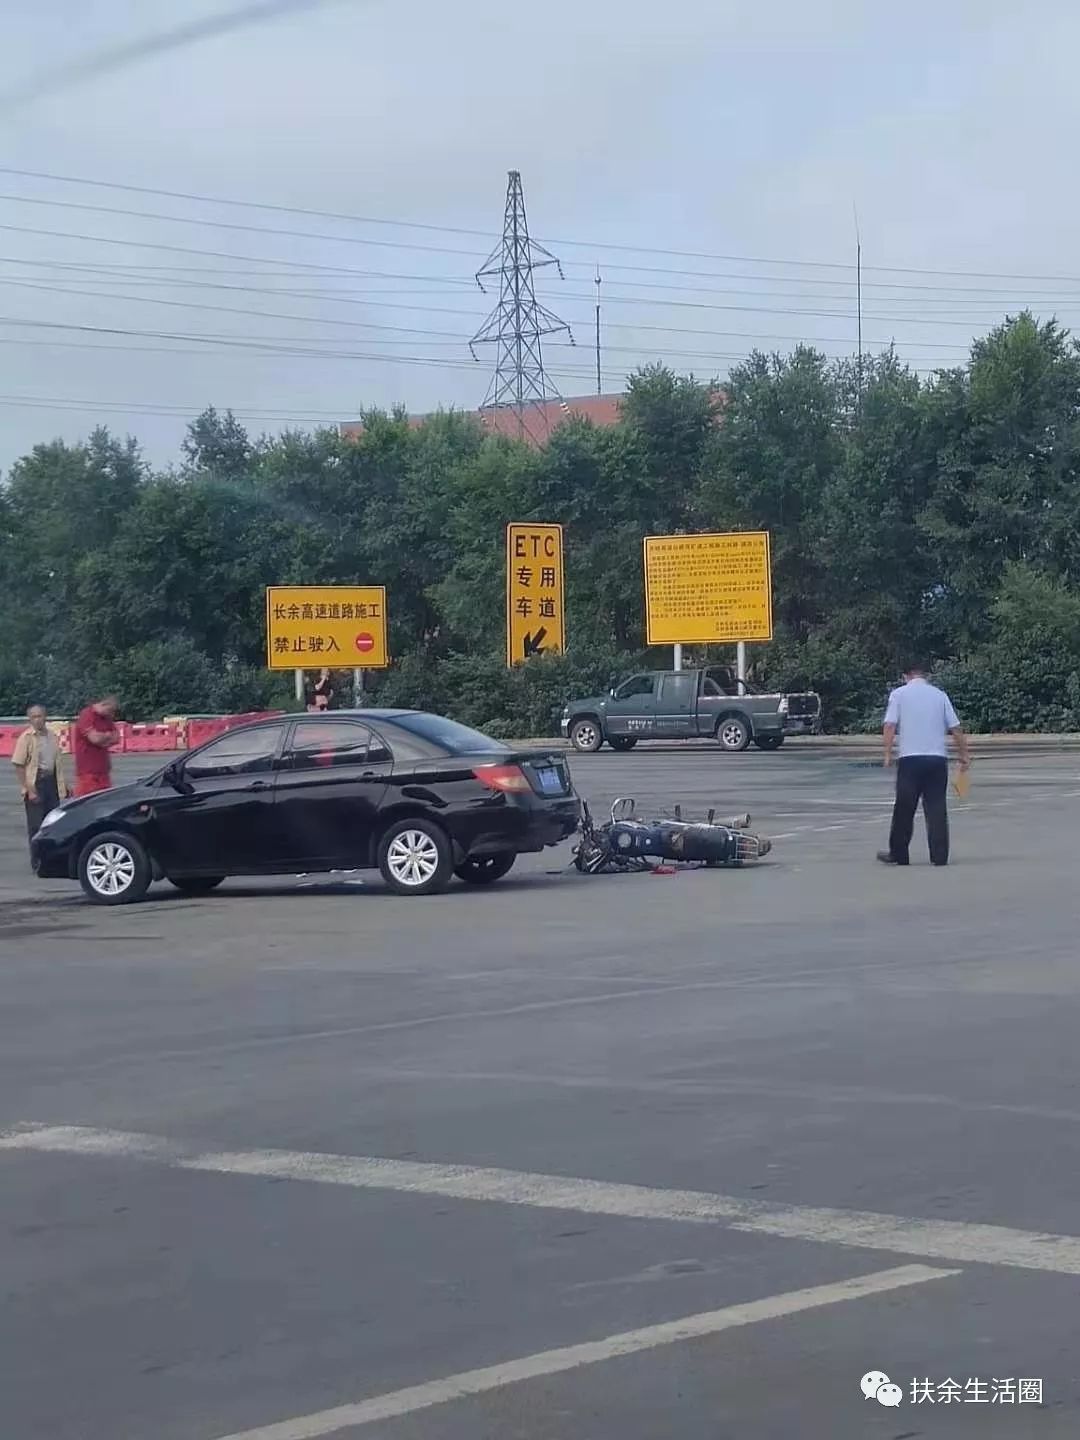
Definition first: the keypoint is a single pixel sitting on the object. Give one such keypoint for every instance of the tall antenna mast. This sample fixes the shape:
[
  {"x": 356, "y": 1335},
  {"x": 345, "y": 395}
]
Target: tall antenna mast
[
  {"x": 599, "y": 378},
  {"x": 858, "y": 289},
  {"x": 518, "y": 321}
]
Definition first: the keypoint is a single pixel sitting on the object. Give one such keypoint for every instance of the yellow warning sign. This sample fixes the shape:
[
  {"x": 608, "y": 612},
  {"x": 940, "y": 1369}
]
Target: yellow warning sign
[
  {"x": 708, "y": 589},
  {"x": 340, "y": 626},
  {"x": 535, "y": 616}
]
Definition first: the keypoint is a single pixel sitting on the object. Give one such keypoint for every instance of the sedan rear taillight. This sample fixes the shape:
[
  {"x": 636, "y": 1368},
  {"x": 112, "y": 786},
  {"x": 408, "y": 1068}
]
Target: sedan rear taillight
[{"x": 508, "y": 778}]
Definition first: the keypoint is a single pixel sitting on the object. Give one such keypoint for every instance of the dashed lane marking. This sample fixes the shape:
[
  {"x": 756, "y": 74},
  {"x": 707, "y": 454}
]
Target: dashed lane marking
[
  {"x": 950, "y": 1240},
  {"x": 592, "y": 1352}
]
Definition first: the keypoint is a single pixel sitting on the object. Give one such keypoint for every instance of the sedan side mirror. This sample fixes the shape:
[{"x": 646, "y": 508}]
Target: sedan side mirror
[{"x": 173, "y": 775}]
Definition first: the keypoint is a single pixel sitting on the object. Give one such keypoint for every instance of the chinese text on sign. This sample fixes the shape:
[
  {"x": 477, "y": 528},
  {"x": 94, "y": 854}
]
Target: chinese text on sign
[
  {"x": 535, "y": 617},
  {"x": 308, "y": 626},
  {"x": 708, "y": 589}
]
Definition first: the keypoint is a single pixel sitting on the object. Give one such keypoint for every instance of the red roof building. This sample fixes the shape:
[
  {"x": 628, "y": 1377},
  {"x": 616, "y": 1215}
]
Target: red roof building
[{"x": 539, "y": 420}]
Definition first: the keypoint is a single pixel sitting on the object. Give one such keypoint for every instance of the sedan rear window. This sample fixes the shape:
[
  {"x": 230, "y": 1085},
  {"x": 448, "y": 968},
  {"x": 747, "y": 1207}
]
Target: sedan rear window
[{"x": 448, "y": 735}]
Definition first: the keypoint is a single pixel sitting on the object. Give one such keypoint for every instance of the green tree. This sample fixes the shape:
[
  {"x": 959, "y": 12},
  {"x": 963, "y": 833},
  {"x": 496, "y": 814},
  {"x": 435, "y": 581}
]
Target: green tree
[{"x": 771, "y": 459}]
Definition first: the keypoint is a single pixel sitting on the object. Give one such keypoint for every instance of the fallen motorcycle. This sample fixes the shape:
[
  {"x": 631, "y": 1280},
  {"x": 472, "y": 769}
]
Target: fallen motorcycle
[{"x": 631, "y": 842}]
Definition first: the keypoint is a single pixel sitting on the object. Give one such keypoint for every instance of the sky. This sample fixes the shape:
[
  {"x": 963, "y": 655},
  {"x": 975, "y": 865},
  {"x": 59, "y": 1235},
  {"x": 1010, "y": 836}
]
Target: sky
[{"x": 712, "y": 158}]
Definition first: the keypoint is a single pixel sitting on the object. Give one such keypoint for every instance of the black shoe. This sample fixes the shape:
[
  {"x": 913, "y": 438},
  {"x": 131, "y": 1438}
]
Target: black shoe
[{"x": 887, "y": 858}]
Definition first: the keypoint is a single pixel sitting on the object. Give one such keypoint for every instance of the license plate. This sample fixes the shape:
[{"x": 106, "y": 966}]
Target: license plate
[{"x": 550, "y": 782}]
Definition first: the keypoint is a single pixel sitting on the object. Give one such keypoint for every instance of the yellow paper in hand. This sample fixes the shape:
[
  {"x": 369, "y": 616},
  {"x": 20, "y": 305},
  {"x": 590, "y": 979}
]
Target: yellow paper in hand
[{"x": 962, "y": 784}]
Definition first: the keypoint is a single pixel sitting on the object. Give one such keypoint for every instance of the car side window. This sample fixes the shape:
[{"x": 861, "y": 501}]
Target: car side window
[
  {"x": 241, "y": 752},
  {"x": 710, "y": 688},
  {"x": 678, "y": 690},
  {"x": 637, "y": 685},
  {"x": 329, "y": 744}
]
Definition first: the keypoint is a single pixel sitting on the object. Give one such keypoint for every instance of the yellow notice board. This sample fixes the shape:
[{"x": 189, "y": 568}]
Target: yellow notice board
[
  {"x": 535, "y": 613},
  {"x": 708, "y": 589},
  {"x": 343, "y": 626}
]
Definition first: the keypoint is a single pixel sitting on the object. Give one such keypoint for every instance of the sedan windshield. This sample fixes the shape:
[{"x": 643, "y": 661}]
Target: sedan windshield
[{"x": 455, "y": 739}]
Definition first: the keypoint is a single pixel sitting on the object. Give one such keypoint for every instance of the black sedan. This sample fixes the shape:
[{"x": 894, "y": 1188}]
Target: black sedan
[{"x": 419, "y": 797}]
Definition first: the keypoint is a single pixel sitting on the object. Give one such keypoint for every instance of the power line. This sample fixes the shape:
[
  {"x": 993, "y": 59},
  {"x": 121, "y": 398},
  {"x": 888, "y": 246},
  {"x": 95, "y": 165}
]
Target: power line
[
  {"x": 578, "y": 244},
  {"x": 235, "y": 225},
  {"x": 182, "y": 249},
  {"x": 446, "y": 310},
  {"x": 463, "y": 286}
]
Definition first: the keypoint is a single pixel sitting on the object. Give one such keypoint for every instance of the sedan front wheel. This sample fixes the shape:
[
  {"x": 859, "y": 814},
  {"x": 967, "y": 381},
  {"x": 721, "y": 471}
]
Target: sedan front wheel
[{"x": 114, "y": 869}]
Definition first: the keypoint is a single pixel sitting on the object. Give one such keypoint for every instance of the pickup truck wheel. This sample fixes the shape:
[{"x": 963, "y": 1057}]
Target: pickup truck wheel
[
  {"x": 769, "y": 742},
  {"x": 733, "y": 733},
  {"x": 586, "y": 735},
  {"x": 623, "y": 742}
]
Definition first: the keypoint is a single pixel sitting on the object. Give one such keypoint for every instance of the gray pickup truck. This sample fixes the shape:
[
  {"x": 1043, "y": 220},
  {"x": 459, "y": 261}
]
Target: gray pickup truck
[{"x": 688, "y": 705}]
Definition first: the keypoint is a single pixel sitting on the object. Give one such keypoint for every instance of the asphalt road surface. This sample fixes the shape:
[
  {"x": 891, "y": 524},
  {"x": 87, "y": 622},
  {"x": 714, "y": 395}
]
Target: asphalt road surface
[{"x": 619, "y": 1158}]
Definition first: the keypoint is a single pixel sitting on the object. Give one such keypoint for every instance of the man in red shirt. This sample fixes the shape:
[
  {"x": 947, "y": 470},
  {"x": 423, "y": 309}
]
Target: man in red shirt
[{"x": 92, "y": 738}]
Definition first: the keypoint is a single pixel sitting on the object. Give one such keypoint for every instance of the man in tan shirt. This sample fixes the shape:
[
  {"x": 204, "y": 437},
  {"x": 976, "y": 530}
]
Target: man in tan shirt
[{"x": 39, "y": 766}]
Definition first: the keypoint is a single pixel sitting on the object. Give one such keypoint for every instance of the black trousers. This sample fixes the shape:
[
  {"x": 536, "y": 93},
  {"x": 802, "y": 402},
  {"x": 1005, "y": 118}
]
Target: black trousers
[
  {"x": 925, "y": 778},
  {"x": 36, "y": 810}
]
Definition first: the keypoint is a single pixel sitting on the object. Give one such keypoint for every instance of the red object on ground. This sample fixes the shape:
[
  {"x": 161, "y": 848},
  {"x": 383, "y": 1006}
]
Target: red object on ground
[
  {"x": 364, "y": 642},
  {"x": 92, "y": 765}
]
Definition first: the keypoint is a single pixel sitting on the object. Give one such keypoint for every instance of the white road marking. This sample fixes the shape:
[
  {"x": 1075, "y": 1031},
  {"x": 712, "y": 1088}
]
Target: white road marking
[
  {"x": 879, "y": 804},
  {"x": 592, "y": 1352},
  {"x": 952, "y": 1240}
]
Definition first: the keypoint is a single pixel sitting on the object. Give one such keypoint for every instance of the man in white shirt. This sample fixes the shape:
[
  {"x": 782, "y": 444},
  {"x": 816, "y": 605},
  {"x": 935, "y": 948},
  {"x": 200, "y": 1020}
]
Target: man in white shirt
[{"x": 918, "y": 722}]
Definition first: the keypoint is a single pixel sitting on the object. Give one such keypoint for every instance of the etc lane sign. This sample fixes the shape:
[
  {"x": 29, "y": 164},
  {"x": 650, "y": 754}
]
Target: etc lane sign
[
  {"x": 340, "y": 626},
  {"x": 535, "y": 612},
  {"x": 708, "y": 589}
]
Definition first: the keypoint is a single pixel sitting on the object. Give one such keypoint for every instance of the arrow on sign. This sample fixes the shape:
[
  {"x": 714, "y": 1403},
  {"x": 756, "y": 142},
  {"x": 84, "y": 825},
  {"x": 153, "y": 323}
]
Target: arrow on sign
[{"x": 533, "y": 644}]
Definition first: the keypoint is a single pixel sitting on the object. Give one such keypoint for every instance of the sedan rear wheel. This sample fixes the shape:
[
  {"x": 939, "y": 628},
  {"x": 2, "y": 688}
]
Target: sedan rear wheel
[
  {"x": 114, "y": 869},
  {"x": 415, "y": 858},
  {"x": 484, "y": 869}
]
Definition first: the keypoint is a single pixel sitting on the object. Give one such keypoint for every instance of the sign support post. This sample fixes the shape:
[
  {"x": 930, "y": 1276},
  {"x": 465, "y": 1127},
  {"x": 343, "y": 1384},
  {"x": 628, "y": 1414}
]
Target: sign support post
[
  {"x": 298, "y": 687},
  {"x": 678, "y": 658},
  {"x": 740, "y": 666}
]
